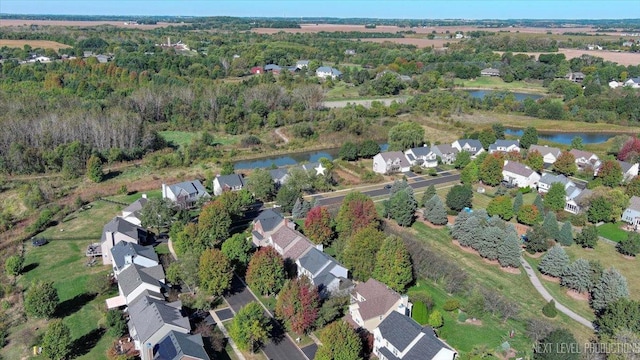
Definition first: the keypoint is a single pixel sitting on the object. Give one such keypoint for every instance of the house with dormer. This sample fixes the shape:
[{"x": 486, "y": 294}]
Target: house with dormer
[
  {"x": 399, "y": 337},
  {"x": 125, "y": 253},
  {"x": 472, "y": 146},
  {"x": 390, "y": 162},
  {"x": 120, "y": 230},
  {"x": 504, "y": 146},
  {"x": 324, "y": 272},
  {"x": 445, "y": 152},
  {"x": 185, "y": 194},
  {"x": 132, "y": 212},
  {"x": 422, "y": 156},
  {"x": 576, "y": 199},
  {"x": 586, "y": 161},
  {"x": 372, "y": 301}
]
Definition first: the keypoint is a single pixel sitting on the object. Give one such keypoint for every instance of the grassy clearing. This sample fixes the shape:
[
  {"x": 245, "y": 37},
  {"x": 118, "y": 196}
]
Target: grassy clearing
[
  {"x": 129, "y": 198},
  {"x": 613, "y": 232},
  {"x": 498, "y": 84},
  {"x": 184, "y": 138},
  {"x": 342, "y": 91},
  {"x": 42, "y": 44}
]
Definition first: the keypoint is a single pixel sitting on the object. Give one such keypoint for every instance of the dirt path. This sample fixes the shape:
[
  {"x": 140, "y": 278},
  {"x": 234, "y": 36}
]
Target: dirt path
[{"x": 282, "y": 136}]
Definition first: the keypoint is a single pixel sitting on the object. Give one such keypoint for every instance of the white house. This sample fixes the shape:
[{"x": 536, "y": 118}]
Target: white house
[
  {"x": 231, "y": 182},
  {"x": 390, "y": 162},
  {"x": 446, "y": 152},
  {"x": 489, "y": 72},
  {"x": 633, "y": 82},
  {"x": 399, "y": 337},
  {"x": 185, "y": 194},
  {"x": 302, "y": 64},
  {"x": 135, "y": 281},
  {"x": 422, "y": 156},
  {"x": 629, "y": 170},
  {"x": 519, "y": 175},
  {"x": 132, "y": 212},
  {"x": 586, "y": 161},
  {"x": 324, "y": 72},
  {"x": 125, "y": 253},
  {"x": 631, "y": 214},
  {"x": 549, "y": 154},
  {"x": 472, "y": 146},
  {"x": 324, "y": 272},
  {"x": 504, "y": 146},
  {"x": 372, "y": 301},
  {"x": 548, "y": 179},
  {"x": 576, "y": 199},
  {"x": 119, "y": 230},
  {"x": 615, "y": 84}
]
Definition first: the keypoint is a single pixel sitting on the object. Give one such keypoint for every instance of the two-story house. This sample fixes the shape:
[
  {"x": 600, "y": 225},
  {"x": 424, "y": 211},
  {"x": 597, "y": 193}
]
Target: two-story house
[
  {"x": 179, "y": 346},
  {"x": 185, "y": 194},
  {"x": 445, "y": 152},
  {"x": 267, "y": 222},
  {"x": 325, "y": 72},
  {"x": 390, "y": 162},
  {"x": 519, "y": 175},
  {"x": 135, "y": 281},
  {"x": 324, "y": 272},
  {"x": 117, "y": 230},
  {"x": 422, "y": 156},
  {"x": 576, "y": 199},
  {"x": 547, "y": 179},
  {"x": 399, "y": 337},
  {"x": 549, "y": 154},
  {"x": 125, "y": 253},
  {"x": 472, "y": 146},
  {"x": 132, "y": 212},
  {"x": 231, "y": 182},
  {"x": 631, "y": 214},
  {"x": 586, "y": 161},
  {"x": 504, "y": 146},
  {"x": 372, "y": 301}
]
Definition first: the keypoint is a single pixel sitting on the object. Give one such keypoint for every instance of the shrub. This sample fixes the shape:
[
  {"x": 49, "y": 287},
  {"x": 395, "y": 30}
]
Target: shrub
[
  {"x": 250, "y": 140},
  {"x": 462, "y": 317},
  {"x": 451, "y": 305},
  {"x": 629, "y": 246},
  {"x": 435, "y": 319},
  {"x": 549, "y": 310}
]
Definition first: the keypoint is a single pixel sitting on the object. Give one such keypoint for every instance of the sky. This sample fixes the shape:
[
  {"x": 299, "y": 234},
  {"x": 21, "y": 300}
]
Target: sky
[{"x": 402, "y": 9}]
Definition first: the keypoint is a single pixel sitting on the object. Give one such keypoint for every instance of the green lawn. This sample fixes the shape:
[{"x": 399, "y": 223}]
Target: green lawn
[
  {"x": 129, "y": 198},
  {"x": 612, "y": 231},
  {"x": 498, "y": 84},
  {"x": 342, "y": 91}
]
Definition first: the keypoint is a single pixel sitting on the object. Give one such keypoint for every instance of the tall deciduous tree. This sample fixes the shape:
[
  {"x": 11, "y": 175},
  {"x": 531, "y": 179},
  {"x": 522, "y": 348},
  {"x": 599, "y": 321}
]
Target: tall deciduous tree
[
  {"x": 287, "y": 197},
  {"x": 214, "y": 223},
  {"x": 470, "y": 174},
  {"x": 463, "y": 158},
  {"x": 611, "y": 287},
  {"x": 156, "y": 214},
  {"x": 356, "y": 212},
  {"x": 491, "y": 170},
  {"x": 56, "y": 343},
  {"x": 368, "y": 149},
  {"x": 535, "y": 160},
  {"x": 554, "y": 200},
  {"x": 40, "y": 300},
  {"x": 298, "y": 304},
  {"x": 529, "y": 137},
  {"x": 555, "y": 262},
  {"x": 578, "y": 276},
  {"x": 566, "y": 164},
  {"x": 406, "y": 135},
  {"x": 633, "y": 187},
  {"x": 528, "y": 214},
  {"x": 566, "y": 234},
  {"x": 261, "y": 184},
  {"x": 237, "y": 249},
  {"x": 459, "y": 197},
  {"x": 536, "y": 240},
  {"x": 250, "y": 327},
  {"x": 360, "y": 252},
  {"x": 501, "y": 206},
  {"x": 265, "y": 273},
  {"x": 348, "y": 151},
  {"x": 610, "y": 173},
  {"x": 630, "y": 150},
  {"x": 339, "y": 341},
  {"x": 215, "y": 272},
  {"x": 393, "y": 264},
  {"x": 588, "y": 237},
  {"x": 317, "y": 226}
]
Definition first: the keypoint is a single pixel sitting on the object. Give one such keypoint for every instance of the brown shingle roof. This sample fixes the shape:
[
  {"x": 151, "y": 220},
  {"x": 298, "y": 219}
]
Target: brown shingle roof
[
  {"x": 292, "y": 243},
  {"x": 517, "y": 168},
  {"x": 580, "y": 154},
  {"x": 284, "y": 236},
  {"x": 378, "y": 298}
]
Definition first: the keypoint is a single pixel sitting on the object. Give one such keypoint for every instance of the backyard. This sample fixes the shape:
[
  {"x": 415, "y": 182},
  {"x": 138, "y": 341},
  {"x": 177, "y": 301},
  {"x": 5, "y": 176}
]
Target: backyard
[{"x": 613, "y": 231}]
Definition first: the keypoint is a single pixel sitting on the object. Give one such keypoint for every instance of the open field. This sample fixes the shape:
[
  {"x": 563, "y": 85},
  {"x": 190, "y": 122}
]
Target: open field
[
  {"x": 622, "y": 58},
  {"x": 489, "y": 82},
  {"x": 21, "y": 22},
  {"x": 419, "y": 42},
  {"x": 44, "y": 44}
]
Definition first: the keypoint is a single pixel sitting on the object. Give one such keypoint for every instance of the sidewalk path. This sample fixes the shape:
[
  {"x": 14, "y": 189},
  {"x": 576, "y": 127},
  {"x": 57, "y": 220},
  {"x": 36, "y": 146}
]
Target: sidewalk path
[{"x": 545, "y": 294}]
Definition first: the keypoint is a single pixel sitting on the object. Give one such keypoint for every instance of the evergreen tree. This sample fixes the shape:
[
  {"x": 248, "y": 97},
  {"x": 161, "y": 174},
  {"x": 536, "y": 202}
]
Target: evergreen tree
[
  {"x": 94, "y": 169},
  {"x": 360, "y": 252},
  {"x": 529, "y": 137},
  {"x": 550, "y": 225},
  {"x": 578, "y": 276},
  {"x": 393, "y": 264},
  {"x": 588, "y": 237},
  {"x": 459, "y": 224},
  {"x": 459, "y": 197},
  {"x": 56, "y": 343},
  {"x": 566, "y": 234},
  {"x": 488, "y": 243},
  {"x": 509, "y": 251},
  {"x": 611, "y": 287},
  {"x": 554, "y": 346},
  {"x": 517, "y": 202},
  {"x": 629, "y": 246},
  {"x": 402, "y": 207},
  {"x": 297, "y": 209},
  {"x": 539, "y": 205},
  {"x": 536, "y": 240},
  {"x": 554, "y": 200},
  {"x": 436, "y": 213},
  {"x": 549, "y": 310},
  {"x": 40, "y": 300},
  {"x": 14, "y": 265},
  {"x": 427, "y": 195},
  {"x": 470, "y": 232},
  {"x": 555, "y": 262}
]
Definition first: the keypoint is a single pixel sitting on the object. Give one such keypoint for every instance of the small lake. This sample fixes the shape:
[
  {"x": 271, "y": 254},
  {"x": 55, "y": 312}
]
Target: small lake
[
  {"x": 480, "y": 94},
  {"x": 566, "y": 137},
  {"x": 291, "y": 159}
]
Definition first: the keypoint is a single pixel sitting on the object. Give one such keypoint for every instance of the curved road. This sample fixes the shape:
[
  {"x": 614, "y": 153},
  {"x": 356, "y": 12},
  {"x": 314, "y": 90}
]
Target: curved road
[{"x": 545, "y": 294}]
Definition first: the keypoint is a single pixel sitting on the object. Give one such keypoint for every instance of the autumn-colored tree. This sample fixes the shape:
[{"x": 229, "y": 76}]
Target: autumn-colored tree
[
  {"x": 610, "y": 173},
  {"x": 491, "y": 170},
  {"x": 535, "y": 160},
  {"x": 360, "y": 252},
  {"x": 215, "y": 272},
  {"x": 317, "y": 226},
  {"x": 501, "y": 206},
  {"x": 356, "y": 212},
  {"x": 298, "y": 304},
  {"x": 265, "y": 273},
  {"x": 565, "y": 164},
  {"x": 214, "y": 223},
  {"x": 393, "y": 264},
  {"x": 633, "y": 187},
  {"x": 630, "y": 150},
  {"x": 528, "y": 214},
  {"x": 339, "y": 341}
]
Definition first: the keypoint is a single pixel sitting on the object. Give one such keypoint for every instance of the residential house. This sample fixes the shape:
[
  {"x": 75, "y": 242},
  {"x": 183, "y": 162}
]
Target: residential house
[
  {"x": 586, "y": 161},
  {"x": 390, "y": 162},
  {"x": 629, "y": 170},
  {"x": 549, "y": 154},
  {"x": 489, "y": 72},
  {"x": 628, "y": 43},
  {"x": 472, "y": 146},
  {"x": 125, "y": 253},
  {"x": 372, "y": 301},
  {"x": 548, "y": 179},
  {"x": 179, "y": 346},
  {"x": 102, "y": 59},
  {"x": 422, "y": 156},
  {"x": 151, "y": 320},
  {"x": 279, "y": 176},
  {"x": 575, "y": 77},
  {"x": 132, "y": 212},
  {"x": 446, "y": 152},
  {"x": 324, "y": 272},
  {"x": 290, "y": 243},
  {"x": 399, "y": 337},
  {"x": 324, "y": 72},
  {"x": 594, "y": 47},
  {"x": 614, "y": 84},
  {"x": 302, "y": 64},
  {"x": 185, "y": 194},
  {"x": 134, "y": 281},
  {"x": 273, "y": 68},
  {"x": 117, "y": 230},
  {"x": 631, "y": 214},
  {"x": 519, "y": 175},
  {"x": 633, "y": 83},
  {"x": 576, "y": 199},
  {"x": 265, "y": 224},
  {"x": 504, "y": 146},
  {"x": 231, "y": 182},
  {"x": 257, "y": 70}
]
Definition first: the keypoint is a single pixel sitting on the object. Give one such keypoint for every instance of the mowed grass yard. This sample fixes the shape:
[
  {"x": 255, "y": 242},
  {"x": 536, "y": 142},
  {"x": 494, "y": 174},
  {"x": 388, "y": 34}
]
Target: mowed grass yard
[
  {"x": 613, "y": 231},
  {"x": 63, "y": 262}
]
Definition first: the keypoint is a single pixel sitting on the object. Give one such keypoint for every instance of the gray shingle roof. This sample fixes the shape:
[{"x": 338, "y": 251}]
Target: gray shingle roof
[
  {"x": 120, "y": 225},
  {"x": 125, "y": 249},
  {"x": 517, "y": 168},
  {"x": 427, "y": 347},
  {"x": 421, "y": 151},
  {"x": 395, "y": 155},
  {"x": 544, "y": 150},
  {"x": 634, "y": 203},
  {"x": 278, "y": 175},
  {"x": 548, "y": 178},
  {"x": 134, "y": 275},
  {"x": 269, "y": 219},
  {"x": 148, "y": 316},
  {"x": 272, "y": 67},
  {"x": 136, "y": 205},
  {"x": 503, "y": 143},
  {"x": 314, "y": 260},
  {"x": 444, "y": 149},
  {"x": 399, "y": 330},
  {"x": 176, "y": 345},
  {"x": 471, "y": 142},
  {"x": 625, "y": 166},
  {"x": 330, "y": 70},
  {"x": 232, "y": 180},
  {"x": 191, "y": 188}
]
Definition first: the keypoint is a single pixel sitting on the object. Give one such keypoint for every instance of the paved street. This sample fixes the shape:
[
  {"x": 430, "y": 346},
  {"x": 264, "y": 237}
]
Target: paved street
[{"x": 281, "y": 347}]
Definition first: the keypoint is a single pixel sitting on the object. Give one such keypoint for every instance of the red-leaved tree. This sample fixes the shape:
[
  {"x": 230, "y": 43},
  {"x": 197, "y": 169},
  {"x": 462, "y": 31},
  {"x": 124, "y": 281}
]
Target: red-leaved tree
[
  {"x": 630, "y": 151},
  {"x": 356, "y": 212},
  {"x": 317, "y": 226},
  {"x": 298, "y": 304}
]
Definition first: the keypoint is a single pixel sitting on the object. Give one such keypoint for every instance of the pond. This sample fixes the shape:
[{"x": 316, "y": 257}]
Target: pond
[
  {"x": 291, "y": 159},
  {"x": 566, "y": 137},
  {"x": 480, "y": 94}
]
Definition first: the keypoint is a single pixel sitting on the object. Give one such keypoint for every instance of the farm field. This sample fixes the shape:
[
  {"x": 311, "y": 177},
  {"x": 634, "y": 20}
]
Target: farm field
[
  {"x": 44, "y": 44},
  {"x": 622, "y": 58},
  {"x": 23, "y": 22},
  {"x": 419, "y": 42}
]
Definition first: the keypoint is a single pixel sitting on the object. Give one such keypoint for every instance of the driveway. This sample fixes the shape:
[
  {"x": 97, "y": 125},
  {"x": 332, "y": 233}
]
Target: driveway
[{"x": 280, "y": 347}]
